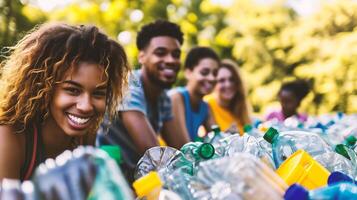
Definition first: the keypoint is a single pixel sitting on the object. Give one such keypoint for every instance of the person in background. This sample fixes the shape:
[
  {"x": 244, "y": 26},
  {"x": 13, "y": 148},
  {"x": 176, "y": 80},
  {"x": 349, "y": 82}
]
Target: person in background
[
  {"x": 228, "y": 102},
  {"x": 290, "y": 96},
  {"x": 146, "y": 111},
  {"x": 190, "y": 110},
  {"x": 56, "y": 85}
]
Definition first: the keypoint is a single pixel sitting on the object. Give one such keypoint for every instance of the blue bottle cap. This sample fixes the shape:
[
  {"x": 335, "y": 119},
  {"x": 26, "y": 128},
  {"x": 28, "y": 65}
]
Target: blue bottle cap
[
  {"x": 338, "y": 177},
  {"x": 296, "y": 192}
]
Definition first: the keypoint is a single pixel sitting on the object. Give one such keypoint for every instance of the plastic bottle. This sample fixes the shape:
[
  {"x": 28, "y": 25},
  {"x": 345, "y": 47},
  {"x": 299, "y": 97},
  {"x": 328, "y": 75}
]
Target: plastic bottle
[
  {"x": 351, "y": 141},
  {"x": 113, "y": 151},
  {"x": 293, "y": 123},
  {"x": 12, "y": 189},
  {"x": 179, "y": 182},
  {"x": 241, "y": 176},
  {"x": 85, "y": 173},
  {"x": 174, "y": 169},
  {"x": 350, "y": 155},
  {"x": 246, "y": 144},
  {"x": 286, "y": 143},
  {"x": 109, "y": 182},
  {"x": 333, "y": 161},
  {"x": 163, "y": 160},
  {"x": 342, "y": 191},
  {"x": 196, "y": 152},
  {"x": 150, "y": 187},
  {"x": 215, "y": 135},
  {"x": 248, "y": 129}
]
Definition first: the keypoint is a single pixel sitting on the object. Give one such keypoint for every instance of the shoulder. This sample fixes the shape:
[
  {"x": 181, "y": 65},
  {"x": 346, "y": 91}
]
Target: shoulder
[
  {"x": 7, "y": 133},
  {"x": 175, "y": 94},
  {"x": 134, "y": 99},
  {"x": 12, "y": 152},
  {"x": 209, "y": 98}
]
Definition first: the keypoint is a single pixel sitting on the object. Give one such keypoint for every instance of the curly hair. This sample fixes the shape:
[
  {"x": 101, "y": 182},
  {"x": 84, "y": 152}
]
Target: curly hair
[
  {"x": 40, "y": 60},
  {"x": 155, "y": 29},
  {"x": 239, "y": 104}
]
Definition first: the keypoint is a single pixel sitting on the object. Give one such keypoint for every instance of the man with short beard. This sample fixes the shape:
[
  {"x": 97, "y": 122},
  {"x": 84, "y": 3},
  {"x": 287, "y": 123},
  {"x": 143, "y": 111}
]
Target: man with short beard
[{"x": 146, "y": 110}]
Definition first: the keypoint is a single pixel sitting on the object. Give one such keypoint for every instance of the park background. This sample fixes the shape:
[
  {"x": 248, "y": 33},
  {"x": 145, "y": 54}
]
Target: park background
[{"x": 271, "y": 40}]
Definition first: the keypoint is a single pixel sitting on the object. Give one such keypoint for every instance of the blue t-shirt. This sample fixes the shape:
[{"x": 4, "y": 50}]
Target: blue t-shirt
[
  {"x": 114, "y": 133},
  {"x": 194, "y": 119}
]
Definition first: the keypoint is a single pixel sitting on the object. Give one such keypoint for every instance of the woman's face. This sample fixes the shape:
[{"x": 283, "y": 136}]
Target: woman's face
[
  {"x": 79, "y": 100},
  {"x": 203, "y": 76},
  {"x": 225, "y": 86}
]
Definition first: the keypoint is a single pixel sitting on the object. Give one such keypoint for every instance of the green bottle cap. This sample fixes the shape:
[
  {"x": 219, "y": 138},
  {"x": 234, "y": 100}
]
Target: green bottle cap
[
  {"x": 215, "y": 129},
  {"x": 198, "y": 139},
  {"x": 342, "y": 150},
  {"x": 270, "y": 134},
  {"x": 351, "y": 140},
  {"x": 206, "y": 150},
  {"x": 247, "y": 128},
  {"x": 113, "y": 151}
]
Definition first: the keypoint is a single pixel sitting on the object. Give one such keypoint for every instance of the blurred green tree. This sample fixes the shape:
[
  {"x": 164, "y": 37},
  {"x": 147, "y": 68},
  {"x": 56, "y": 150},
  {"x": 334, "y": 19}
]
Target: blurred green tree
[
  {"x": 15, "y": 20},
  {"x": 269, "y": 41}
]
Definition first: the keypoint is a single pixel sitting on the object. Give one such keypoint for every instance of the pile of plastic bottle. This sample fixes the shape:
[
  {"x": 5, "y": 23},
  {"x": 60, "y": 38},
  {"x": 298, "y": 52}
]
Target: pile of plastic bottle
[{"x": 270, "y": 160}]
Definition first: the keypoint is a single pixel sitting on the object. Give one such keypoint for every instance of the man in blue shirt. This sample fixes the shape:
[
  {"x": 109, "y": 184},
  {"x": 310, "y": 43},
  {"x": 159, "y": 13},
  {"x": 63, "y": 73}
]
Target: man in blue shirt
[{"x": 146, "y": 109}]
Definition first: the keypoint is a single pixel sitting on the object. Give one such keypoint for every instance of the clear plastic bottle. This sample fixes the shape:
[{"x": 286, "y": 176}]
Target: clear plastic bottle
[
  {"x": 196, "y": 152},
  {"x": 333, "y": 161},
  {"x": 350, "y": 142},
  {"x": 215, "y": 135},
  {"x": 150, "y": 187},
  {"x": 348, "y": 153},
  {"x": 85, "y": 173},
  {"x": 250, "y": 130},
  {"x": 174, "y": 169},
  {"x": 286, "y": 143},
  {"x": 11, "y": 189},
  {"x": 246, "y": 144},
  {"x": 241, "y": 176},
  {"x": 163, "y": 160},
  {"x": 342, "y": 191}
]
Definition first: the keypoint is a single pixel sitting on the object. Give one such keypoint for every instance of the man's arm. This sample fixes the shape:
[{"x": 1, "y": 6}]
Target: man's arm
[
  {"x": 140, "y": 130},
  {"x": 174, "y": 131}
]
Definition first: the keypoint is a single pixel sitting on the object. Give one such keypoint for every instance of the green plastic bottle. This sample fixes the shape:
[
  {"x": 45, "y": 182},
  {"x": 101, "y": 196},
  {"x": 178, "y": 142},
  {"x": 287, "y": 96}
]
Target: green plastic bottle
[{"x": 196, "y": 152}]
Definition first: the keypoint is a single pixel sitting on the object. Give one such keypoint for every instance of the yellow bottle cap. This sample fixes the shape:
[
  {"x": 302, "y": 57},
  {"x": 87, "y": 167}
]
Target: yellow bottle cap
[{"x": 144, "y": 185}]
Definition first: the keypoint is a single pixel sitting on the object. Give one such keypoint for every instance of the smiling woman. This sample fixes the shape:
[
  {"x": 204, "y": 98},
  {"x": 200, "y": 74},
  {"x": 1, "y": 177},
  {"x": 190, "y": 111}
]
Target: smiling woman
[
  {"x": 58, "y": 82},
  {"x": 201, "y": 66}
]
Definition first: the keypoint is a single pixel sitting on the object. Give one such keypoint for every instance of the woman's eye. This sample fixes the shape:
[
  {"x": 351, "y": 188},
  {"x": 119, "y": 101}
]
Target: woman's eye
[
  {"x": 73, "y": 91},
  {"x": 100, "y": 94}
]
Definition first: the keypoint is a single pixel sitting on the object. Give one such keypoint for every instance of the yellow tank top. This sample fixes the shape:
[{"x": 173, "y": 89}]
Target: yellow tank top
[{"x": 223, "y": 117}]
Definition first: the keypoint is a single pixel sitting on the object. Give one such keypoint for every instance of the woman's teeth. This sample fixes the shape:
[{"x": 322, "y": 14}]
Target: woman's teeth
[{"x": 78, "y": 120}]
